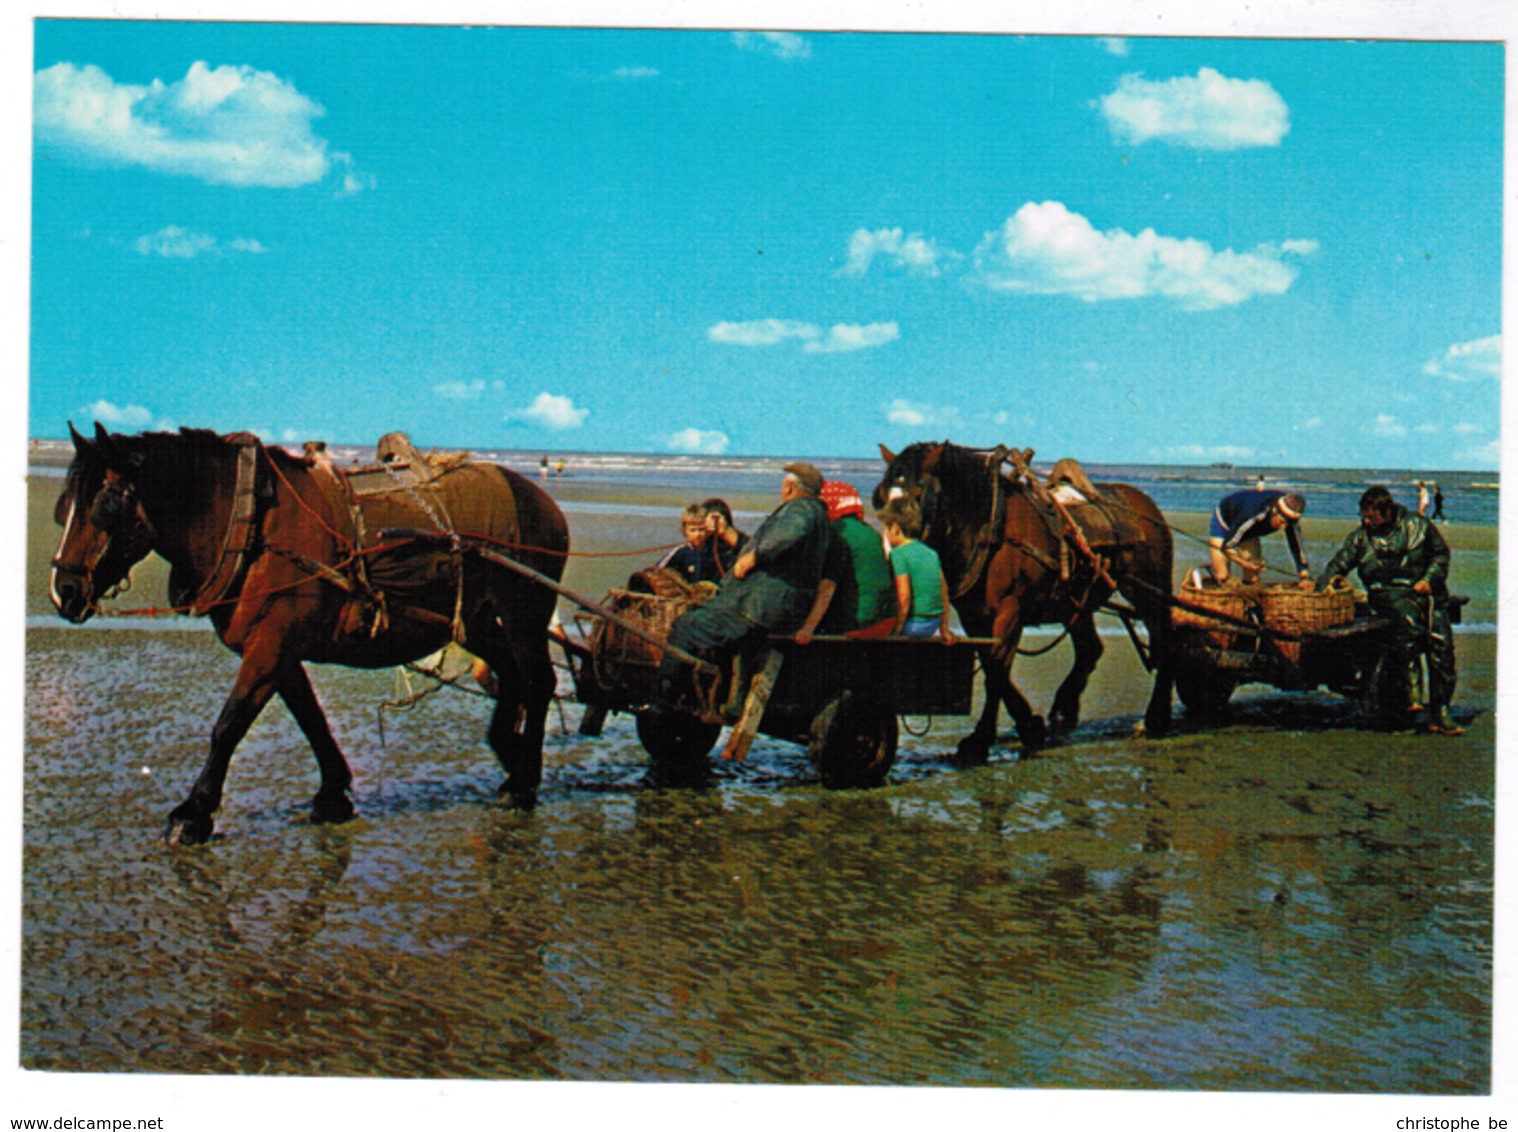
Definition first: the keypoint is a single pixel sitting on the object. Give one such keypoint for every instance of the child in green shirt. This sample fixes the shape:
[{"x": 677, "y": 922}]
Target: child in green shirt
[{"x": 922, "y": 592}]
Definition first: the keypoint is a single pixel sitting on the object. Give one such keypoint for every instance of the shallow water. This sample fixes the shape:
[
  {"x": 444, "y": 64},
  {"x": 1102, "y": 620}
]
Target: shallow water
[{"x": 1284, "y": 903}]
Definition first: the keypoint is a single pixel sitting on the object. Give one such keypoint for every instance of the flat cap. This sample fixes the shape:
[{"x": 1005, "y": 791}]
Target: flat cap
[{"x": 806, "y": 475}]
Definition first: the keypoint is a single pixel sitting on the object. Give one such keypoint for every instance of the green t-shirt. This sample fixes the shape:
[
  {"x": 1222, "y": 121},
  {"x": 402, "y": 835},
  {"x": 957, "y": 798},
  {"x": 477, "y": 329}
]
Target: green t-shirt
[
  {"x": 866, "y": 593},
  {"x": 919, "y": 562}
]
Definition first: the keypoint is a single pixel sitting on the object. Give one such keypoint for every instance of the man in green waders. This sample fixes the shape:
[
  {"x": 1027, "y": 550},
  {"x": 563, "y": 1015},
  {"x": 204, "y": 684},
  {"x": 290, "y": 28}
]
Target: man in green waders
[{"x": 1403, "y": 563}]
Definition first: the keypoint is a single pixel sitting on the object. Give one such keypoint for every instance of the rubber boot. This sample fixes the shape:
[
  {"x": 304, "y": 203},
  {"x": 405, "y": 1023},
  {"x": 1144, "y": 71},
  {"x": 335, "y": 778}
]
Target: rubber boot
[{"x": 1443, "y": 724}]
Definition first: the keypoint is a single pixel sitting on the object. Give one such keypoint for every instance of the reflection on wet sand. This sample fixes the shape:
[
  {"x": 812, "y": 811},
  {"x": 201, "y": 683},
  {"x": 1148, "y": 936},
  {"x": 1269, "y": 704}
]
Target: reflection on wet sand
[{"x": 1280, "y": 903}]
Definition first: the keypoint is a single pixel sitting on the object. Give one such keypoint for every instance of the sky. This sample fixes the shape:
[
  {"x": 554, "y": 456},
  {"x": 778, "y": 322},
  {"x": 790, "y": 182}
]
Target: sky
[
  {"x": 1282, "y": 249},
  {"x": 1125, "y": 249}
]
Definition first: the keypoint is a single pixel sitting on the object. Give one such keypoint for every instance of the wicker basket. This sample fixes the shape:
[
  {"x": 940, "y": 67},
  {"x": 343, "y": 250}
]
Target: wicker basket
[
  {"x": 1227, "y": 602},
  {"x": 1287, "y": 609},
  {"x": 626, "y": 663}
]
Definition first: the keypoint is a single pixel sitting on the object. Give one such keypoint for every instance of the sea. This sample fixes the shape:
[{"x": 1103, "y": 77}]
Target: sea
[{"x": 1331, "y": 493}]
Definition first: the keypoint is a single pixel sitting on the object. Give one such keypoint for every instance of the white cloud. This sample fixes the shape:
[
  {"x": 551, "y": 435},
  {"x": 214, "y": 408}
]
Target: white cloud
[
  {"x": 1312, "y": 423},
  {"x": 557, "y": 414},
  {"x": 630, "y": 74},
  {"x": 1386, "y": 425},
  {"x": 1207, "y": 111},
  {"x": 1488, "y": 455},
  {"x": 699, "y": 442},
  {"x": 133, "y": 418},
  {"x": 1184, "y": 452},
  {"x": 1045, "y": 249},
  {"x": 918, "y": 414},
  {"x": 1113, "y": 45},
  {"x": 782, "y": 44},
  {"x": 174, "y": 242},
  {"x": 845, "y": 339},
  {"x": 1480, "y": 360},
  {"x": 914, "y": 253},
  {"x": 460, "y": 390},
  {"x": 840, "y": 339},
  {"x": 763, "y": 332},
  {"x": 231, "y": 125}
]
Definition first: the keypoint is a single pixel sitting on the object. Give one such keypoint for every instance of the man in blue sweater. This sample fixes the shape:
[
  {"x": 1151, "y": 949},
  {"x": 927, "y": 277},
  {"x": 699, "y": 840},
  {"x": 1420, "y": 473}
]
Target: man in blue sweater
[{"x": 1239, "y": 523}]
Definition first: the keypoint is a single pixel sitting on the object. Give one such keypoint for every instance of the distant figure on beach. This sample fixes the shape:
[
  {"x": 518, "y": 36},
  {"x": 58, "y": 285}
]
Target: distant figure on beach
[
  {"x": 558, "y": 468},
  {"x": 1422, "y": 498},
  {"x": 1238, "y": 524},
  {"x": 543, "y": 467},
  {"x": 1259, "y": 482},
  {"x": 1438, "y": 515},
  {"x": 1403, "y": 563}
]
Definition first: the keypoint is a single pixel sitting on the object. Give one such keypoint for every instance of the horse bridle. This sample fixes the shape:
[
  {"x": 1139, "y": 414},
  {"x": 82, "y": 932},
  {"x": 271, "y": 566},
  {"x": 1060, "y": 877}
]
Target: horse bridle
[{"x": 113, "y": 503}]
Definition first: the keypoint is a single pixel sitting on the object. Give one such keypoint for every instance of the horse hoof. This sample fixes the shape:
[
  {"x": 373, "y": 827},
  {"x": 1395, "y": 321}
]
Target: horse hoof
[
  {"x": 971, "y": 752},
  {"x": 187, "y": 830},
  {"x": 524, "y": 800},
  {"x": 331, "y": 810},
  {"x": 1033, "y": 736}
]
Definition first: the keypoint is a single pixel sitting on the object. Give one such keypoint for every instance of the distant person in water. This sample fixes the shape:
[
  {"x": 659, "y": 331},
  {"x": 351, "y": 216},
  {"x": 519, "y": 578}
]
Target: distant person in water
[
  {"x": 1238, "y": 524},
  {"x": 1423, "y": 500},
  {"x": 1438, "y": 515}
]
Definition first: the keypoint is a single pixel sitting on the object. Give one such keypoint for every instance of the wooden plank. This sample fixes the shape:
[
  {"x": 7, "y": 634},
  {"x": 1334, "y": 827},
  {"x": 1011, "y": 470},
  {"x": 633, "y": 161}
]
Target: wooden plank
[{"x": 758, "y": 699}]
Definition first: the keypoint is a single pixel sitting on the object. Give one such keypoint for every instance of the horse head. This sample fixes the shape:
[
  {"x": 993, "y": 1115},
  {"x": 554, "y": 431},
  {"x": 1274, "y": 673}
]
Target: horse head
[
  {"x": 105, "y": 530},
  {"x": 910, "y": 480}
]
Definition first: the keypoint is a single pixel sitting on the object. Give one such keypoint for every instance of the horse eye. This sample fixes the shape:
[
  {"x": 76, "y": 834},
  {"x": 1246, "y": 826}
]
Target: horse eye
[{"x": 106, "y": 511}]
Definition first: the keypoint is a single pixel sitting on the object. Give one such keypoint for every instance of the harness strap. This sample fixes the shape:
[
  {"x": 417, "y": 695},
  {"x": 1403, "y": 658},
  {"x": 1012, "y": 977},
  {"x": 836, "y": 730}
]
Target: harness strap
[
  {"x": 991, "y": 535},
  {"x": 241, "y": 529}
]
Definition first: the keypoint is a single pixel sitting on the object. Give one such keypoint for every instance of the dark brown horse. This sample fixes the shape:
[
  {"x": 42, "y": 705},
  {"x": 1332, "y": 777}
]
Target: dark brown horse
[
  {"x": 292, "y": 565},
  {"x": 1011, "y": 562}
]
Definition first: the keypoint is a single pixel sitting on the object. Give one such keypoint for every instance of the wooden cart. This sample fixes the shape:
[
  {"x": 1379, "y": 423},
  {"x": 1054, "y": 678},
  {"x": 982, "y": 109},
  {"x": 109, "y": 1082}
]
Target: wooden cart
[
  {"x": 838, "y": 696},
  {"x": 1214, "y": 653}
]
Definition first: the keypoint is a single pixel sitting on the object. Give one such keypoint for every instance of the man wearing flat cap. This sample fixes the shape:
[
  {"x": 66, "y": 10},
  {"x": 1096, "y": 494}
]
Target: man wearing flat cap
[{"x": 772, "y": 583}]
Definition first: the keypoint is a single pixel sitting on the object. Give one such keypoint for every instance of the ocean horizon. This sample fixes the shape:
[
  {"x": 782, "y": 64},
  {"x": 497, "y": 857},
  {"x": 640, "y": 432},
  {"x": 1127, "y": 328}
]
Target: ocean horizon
[{"x": 1470, "y": 496}]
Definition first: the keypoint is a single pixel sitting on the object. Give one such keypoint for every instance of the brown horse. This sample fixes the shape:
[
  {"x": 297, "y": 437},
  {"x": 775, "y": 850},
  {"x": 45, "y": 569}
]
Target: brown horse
[
  {"x": 1011, "y": 562},
  {"x": 292, "y": 565}
]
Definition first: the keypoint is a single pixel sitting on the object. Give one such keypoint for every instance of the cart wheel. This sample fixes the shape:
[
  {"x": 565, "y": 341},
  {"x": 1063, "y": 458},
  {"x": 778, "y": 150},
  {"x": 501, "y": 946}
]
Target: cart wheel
[
  {"x": 677, "y": 744},
  {"x": 852, "y": 743},
  {"x": 1205, "y": 694}
]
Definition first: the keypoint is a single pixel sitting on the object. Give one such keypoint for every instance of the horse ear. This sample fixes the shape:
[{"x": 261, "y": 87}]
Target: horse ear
[
  {"x": 112, "y": 453},
  {"x": 80, "y": 443},
  {"x": 930, "y": 461},
  {"x": 887, "y": 455}
]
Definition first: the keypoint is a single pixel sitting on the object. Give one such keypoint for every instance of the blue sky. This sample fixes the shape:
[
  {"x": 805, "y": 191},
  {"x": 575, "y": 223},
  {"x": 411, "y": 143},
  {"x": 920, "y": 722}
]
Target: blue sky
[{"x": 1176, "y": 250}]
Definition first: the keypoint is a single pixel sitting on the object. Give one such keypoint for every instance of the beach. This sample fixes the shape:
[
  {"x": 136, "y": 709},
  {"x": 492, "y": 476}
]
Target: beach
[{"x": 1278, "y": 901}]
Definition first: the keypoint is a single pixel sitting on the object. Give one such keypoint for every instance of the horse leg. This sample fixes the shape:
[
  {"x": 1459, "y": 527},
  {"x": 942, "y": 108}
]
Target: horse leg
[
  {"x": 1066, "y": 712},
  {"x": 1157, "y": 718},
  {"x": 996, "y": 664},
  {"x": 975, "y": 748},
  {"x": 190, "y": 822},
  {"x": 527, "y": 681},
  {"x": 331, "y": 803}
]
